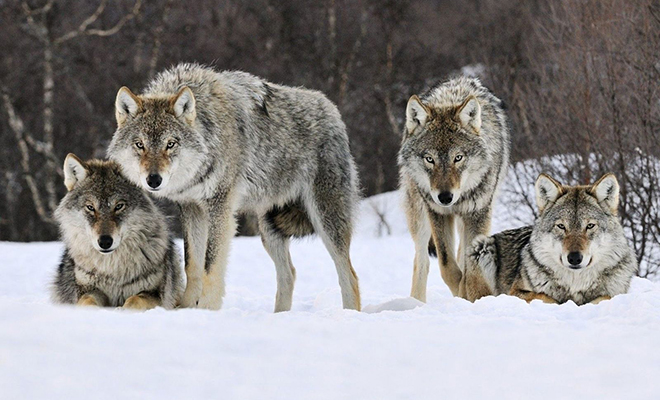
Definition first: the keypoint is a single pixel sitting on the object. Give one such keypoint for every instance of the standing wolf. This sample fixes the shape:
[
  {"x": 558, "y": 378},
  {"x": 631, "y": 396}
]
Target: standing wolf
[
  {"x": 575, "y": 251},
  {"x": 117, "y": 248},
  {"x": 454, "y": 154},
  {"x": 218, "y": 143}
]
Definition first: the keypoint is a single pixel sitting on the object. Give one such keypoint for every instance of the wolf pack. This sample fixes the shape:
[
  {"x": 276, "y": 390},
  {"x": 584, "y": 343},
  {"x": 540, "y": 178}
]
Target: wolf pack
[{"x": 219, "y": 144}]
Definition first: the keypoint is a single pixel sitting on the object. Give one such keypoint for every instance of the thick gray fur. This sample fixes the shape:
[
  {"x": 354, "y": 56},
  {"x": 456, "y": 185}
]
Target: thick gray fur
[
  {"x": 528, "y": 261},
  {"x": 442, "y": 124},
  {"x": 243, "y": 144},
  {"x": 145, "y": 262}
]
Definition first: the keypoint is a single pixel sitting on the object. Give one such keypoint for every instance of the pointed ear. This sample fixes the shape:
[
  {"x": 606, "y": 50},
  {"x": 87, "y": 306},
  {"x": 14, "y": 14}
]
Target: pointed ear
[
  {"x": 75, "y": 170},
  {"x": 469, "y": 113},
  {"x": 547, "y": 191},
  {"x": 126, "y": 104},
  {"x": 183, "y": 105},
  {"x": 416, "y": 113},
  {"x": 606, "y": 190}
]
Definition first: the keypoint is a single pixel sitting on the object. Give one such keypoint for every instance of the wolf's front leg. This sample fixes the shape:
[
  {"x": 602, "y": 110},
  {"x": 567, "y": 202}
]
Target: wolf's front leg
[
  {"x": 142, "y": 301},
  {"x": 528, "y": 295},
  {"x": 222, "y": 227},
  {"x": 195, "y": 224},
  {"x": 442, "y": 228},
  {"x": 420, "y": 230},
  {"x": 473, "y": 285},
  {"x": 599, "y": 299},
  {"x": 94, "y": 298}
]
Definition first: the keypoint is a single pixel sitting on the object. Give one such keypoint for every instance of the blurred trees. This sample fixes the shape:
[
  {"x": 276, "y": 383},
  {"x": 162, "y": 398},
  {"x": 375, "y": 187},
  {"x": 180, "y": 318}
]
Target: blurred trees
[{"x": 579, "y": 76}]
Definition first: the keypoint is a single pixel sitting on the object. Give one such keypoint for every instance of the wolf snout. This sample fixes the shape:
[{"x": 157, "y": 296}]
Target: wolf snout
[
  {"x": 445, "y": 198},
  {"x": 105, "y": 242},
  {"x": 154, "y": 180},
  {"x": 575, "y": 259}
]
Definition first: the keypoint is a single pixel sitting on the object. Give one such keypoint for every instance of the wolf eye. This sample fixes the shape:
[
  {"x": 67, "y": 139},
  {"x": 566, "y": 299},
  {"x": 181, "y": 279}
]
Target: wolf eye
[
  {"x": 139, "y": 145},
  {"x": 561, "y": 226},
  {"x": 89, "y": 208},
  {"x": 429, "y": 160},
  {"x": 458, "y": 158},
  {"x": 171, "y": 144},
  {"x": 591, "y": 226},
  {"x": 119, "y": 207}
]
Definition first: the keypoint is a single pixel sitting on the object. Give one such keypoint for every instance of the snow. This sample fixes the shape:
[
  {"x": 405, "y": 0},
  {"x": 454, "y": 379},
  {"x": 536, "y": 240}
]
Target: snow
[{"x": 398, "y": 348}]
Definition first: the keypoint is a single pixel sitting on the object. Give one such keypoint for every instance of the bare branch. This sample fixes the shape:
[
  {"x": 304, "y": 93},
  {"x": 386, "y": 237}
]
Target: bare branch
[{"x": 83, "y": 28}]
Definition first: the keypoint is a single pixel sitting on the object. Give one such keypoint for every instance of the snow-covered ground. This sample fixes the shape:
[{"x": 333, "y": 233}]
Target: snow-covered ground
[{"x": 397, "y": 349}]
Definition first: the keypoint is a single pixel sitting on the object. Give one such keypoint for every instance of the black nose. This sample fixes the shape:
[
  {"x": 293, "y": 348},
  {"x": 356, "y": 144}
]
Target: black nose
[
  {"x": 445, "y": 197},
  {"x": 105, "y": 242},
  {"x": 574, "y": 257},
  {"x": 154, "y": 180}
]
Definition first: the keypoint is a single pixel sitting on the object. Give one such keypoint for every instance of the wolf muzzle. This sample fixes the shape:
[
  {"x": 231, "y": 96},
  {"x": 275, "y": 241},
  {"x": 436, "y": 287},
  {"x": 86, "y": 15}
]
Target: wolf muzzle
[{"x": 154, "y": 180}]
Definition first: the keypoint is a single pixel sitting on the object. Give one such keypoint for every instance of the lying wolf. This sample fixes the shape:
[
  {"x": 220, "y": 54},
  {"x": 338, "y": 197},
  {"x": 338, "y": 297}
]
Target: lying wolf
[
  {"x": 454, "y": 154},
  {"x": 117, "y": 248},
  {"x": 576, "y": 249},
  {"x": 220, "y": 143}
]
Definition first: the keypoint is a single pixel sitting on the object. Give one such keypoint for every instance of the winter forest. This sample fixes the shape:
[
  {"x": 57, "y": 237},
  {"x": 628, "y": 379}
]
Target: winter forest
[{"x": 580, "y": 79}]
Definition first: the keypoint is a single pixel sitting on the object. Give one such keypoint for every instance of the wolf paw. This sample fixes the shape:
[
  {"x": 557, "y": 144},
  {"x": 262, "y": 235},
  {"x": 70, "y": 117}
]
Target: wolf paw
[
  {"x": 88, "y": 301},
  {"x": 140, "y": 303},
  {"x": 210, "y": 302},
  {"x": 482, "y": 246}
]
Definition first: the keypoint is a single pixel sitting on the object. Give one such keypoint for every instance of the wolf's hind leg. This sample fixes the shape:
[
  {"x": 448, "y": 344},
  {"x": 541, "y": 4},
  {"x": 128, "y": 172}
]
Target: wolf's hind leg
[
  {"x": 142, "y": 301},
  {"x": 94, "y": 299},
  {"x": 420, "y": 230},
  {"x": 330, "y": 211},
  {"x": 277, "y": 246},
  {"x": 442, "y": 228},
  {"x": 194, "y": 221}
]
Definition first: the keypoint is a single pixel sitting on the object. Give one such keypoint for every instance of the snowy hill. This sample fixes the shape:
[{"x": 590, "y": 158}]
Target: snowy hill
[{"x": 397, "y": 349}]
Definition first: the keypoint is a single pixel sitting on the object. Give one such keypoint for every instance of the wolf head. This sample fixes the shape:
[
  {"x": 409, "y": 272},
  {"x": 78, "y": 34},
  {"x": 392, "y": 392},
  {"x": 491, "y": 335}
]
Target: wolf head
[
  {"x": 154, "y": 136},
  {"x": 442, "y": 148},
  {"x": 578, "y": 226},
  {"x": 98, "y": 210}
]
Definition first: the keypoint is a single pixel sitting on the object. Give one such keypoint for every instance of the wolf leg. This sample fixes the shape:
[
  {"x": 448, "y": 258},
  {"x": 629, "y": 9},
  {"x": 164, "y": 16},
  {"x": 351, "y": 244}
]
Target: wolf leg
[
  {"x": 528, "y": 295},
  {"x": 599, "y": 299},
  {"x": 194, "y": 221},
  {"x": 420, "y": 230},
  {"x": 94, "y": 299},
  {"x": 142, "y": 301},
  {"x": 442, "y": 229},
  {"x": 221, "y": 230},
  {"x": 277, "y": 246},
  {"x": 473, "y": 285},
  {"x": 330, "y": 211}
]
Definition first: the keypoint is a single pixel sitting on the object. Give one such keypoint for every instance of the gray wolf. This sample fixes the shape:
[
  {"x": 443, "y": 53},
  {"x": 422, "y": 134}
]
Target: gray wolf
[
  {"x": 221, "y": 143},
  {"x": 454, "y": 154},
  {"x": 117, "y": 248},
  {"x": 576, "y": 250}
]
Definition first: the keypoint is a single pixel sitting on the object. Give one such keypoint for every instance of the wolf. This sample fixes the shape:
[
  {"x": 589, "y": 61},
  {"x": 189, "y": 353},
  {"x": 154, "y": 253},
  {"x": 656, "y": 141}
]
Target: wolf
[
  {"x": 454, "y": 154},
  {"x": 576, "y": 250},
  {"x": 118, "y": 252},
  {"x": 221, "y": 143}
]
